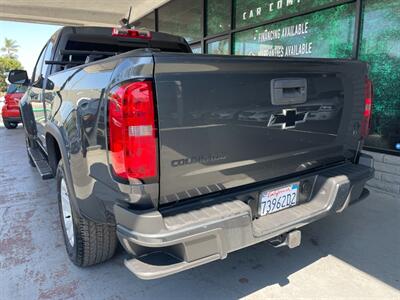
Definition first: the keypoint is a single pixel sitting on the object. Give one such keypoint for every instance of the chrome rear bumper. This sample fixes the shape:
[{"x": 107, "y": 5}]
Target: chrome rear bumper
[{"x": 194, "y": 235}]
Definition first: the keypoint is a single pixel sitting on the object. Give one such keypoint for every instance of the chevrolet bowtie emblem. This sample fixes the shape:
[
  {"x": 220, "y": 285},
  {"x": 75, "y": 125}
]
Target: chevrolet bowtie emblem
[{"x": 288, "y": 119}]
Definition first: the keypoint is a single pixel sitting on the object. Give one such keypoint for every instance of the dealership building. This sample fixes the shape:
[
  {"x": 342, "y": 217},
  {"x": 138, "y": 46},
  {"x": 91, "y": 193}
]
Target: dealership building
[{"x": 368, "y": 30}]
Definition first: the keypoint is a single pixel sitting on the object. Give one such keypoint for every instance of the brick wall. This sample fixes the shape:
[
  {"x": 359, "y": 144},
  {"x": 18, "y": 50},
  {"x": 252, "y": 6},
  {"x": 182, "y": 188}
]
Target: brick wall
[{"x": 387, "y": 173}]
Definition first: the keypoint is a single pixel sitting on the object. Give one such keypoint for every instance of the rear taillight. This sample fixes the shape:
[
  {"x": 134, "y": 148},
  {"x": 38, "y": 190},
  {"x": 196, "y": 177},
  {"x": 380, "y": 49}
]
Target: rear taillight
[
  {"x": 10, "y": 101},
  {"x": 365, "y": 125},
  {"x": 131, "y": 33},
  {"x": 7, "y": 99},
  {"x": 132, "y": 132}
]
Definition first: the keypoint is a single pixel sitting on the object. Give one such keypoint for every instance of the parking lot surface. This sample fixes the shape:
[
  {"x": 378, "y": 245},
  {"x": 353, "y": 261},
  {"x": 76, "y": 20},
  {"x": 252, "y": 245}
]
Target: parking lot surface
[{"x": 352, "y": 255}]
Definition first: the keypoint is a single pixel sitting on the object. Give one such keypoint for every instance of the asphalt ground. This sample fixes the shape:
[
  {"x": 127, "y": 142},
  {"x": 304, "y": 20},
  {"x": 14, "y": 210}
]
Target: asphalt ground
[{"x": 352, "y": 255}]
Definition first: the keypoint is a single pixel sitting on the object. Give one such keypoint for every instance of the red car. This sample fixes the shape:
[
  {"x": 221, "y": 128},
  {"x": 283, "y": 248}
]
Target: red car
[{"x": 10, "y": 111}]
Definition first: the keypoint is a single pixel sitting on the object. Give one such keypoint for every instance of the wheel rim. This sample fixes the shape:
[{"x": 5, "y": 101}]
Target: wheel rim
[{"x": 67, "y": 213}]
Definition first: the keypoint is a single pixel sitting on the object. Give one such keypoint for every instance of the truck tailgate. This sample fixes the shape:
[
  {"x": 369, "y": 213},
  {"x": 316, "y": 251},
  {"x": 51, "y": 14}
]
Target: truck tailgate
[{"x": 226, "y": 122}]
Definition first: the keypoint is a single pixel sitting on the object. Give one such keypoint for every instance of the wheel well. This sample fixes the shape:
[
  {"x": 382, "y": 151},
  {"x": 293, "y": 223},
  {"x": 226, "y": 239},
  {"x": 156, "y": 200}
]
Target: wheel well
[{"x": 53, "y": 152}]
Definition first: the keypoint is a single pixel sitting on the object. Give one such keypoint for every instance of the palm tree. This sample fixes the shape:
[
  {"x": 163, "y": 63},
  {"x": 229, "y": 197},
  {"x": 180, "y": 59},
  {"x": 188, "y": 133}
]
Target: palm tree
[{"x": 10, "y": 48}]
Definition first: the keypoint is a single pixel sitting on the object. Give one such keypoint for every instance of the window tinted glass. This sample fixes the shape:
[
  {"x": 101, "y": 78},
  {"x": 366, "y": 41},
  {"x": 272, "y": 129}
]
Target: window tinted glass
[
  {"x": 147, "y": 22},
  {"x": 218, "y": 16},
  {"x": 218, "y": 47},
  {"x": 251, "y": 12},
  {"x": 84, "y": 48},
  {"x": 47, "y": 56},
  {"x": 196, "y": 48},
  {"x": 380, "y": 47},
  {"x": 38, "y": 67},
  {"x": 181, "y": 17},
  {"x": 327, "y": 33},
  {"x": 41, "y": 67}
]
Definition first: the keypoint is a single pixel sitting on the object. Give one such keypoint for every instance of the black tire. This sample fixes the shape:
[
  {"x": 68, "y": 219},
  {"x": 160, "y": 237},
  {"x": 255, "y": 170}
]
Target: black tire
[
  {"x": 10, "y": 125},
  {"x": 94, "y": 242}
]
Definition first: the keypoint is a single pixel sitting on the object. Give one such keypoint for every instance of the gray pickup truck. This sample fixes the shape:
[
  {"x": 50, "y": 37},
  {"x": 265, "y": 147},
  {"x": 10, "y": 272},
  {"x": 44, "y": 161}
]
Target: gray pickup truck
[{"x": 185, "y": 158}]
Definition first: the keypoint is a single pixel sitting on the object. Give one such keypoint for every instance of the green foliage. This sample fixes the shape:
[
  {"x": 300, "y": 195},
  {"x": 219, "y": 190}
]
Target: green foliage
[
  {"x": 10, "y": 48},
  {"x": 8, "y": 61},
  {"x": 7, "y": 64}
]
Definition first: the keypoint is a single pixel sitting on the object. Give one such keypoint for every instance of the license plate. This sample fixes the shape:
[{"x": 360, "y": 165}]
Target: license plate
[{"x": 274, "y": 200}]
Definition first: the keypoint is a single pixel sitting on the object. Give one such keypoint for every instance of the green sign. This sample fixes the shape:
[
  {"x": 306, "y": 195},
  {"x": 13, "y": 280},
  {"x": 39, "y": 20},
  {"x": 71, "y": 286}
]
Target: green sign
[
  {"x": 250, "y": 12},
  {"x": 328, "y": 33}
]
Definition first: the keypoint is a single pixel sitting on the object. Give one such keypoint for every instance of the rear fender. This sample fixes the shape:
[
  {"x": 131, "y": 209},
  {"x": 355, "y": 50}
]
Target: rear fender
[{"x": 90, "y": 208}]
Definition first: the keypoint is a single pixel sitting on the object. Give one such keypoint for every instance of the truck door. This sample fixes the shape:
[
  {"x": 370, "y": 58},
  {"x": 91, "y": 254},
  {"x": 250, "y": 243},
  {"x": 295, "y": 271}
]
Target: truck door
[{"x": 36, "y": 92}]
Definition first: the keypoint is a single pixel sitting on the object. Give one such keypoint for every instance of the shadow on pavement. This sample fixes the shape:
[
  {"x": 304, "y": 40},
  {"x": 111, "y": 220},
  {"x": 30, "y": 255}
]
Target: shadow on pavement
[{"x": 365, "y": 237}]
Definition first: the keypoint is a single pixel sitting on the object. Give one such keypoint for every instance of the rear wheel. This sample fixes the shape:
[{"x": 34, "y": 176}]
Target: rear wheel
[
  {"x": 87, "y": 242},
  {"x": 10, "y": 125}
]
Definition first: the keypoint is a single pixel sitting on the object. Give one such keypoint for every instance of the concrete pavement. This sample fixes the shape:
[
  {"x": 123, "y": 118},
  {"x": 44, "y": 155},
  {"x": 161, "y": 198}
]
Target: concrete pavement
[{"x": 352, "y": 255}]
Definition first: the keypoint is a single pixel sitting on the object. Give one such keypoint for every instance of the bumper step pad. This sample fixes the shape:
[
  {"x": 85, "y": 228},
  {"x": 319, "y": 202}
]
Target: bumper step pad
[
  {"x": 160, "y": 264},
  {"x": 192, "y": 235}
]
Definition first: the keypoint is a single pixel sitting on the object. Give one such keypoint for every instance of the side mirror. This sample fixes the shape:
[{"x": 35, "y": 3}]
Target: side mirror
[{"x": 18, "y": 77}]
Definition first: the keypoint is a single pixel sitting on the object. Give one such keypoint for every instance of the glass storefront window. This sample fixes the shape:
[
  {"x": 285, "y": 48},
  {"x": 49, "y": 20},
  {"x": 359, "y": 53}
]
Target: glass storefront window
[
  {"x": 380, "y": 47},
  {"x": 196, "y": 48},
  {"x": 218, "y": 47},
  {"x": 253, "y": 12},
  {"x": 147, "y": 22},
  {"x": 328, "y": 33},
  {"x": 181, "y": 17},
  {"x": 218, "y": 16}
]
